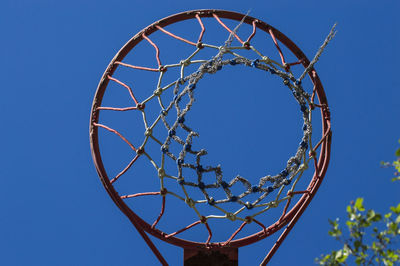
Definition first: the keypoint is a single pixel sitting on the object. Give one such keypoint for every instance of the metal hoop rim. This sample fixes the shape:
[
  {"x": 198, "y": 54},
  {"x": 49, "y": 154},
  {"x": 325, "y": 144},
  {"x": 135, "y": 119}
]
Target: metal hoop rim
[{"x": 321, "y": 166}]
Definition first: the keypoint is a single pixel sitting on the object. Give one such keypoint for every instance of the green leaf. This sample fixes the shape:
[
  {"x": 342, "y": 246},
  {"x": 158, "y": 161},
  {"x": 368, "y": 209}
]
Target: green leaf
[
  {"x": 323, "y": 260},
  {"x": 398, "y": 152},
  {"x": 347, "y": 249},
  {"x": 357, "y": 244},
  {"x": 395, "y": 179},
  {"x": 335, "y": 233},
  {"x": 358, "y": 205},
  {"x": 387, "y": 262},
  {"x": 393, "y": 228},
  {"x": 334, "y": 223},
  {"x": 364, "y": 223},
  {"x": 341, "y": 255},
  {"x": 355, "y": 234},
  {"x": 349, "y": 209},
  {"x": 373, "y": 217},
  {"x": 397, "y": 219},
  {"x": 377, "y": 218},
  {"x": 350, "y": 224},
  {"x": 396, "y": 209},
  {"x": 392, "y": 255},
  {"x": 370, "y": 215},
  {"x": 360, "y": 260},
  {"x": 397, "y": 165}
]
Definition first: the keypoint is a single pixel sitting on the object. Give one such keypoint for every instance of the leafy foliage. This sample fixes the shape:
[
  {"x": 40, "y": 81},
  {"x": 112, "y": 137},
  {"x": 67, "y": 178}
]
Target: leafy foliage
[
  {"x": 372, "y": 238},
  {"x": 395, "y": 164}
]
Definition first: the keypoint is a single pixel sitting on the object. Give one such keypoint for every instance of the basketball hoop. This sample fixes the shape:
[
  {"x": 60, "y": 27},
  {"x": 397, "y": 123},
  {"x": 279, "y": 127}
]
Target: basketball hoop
[{"x": 276, "y": 190}]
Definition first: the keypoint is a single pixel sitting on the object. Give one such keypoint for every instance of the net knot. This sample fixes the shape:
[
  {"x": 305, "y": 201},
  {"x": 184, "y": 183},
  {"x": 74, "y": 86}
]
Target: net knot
[
  {"x": 181, "y": 81},
  {"x": 203, "y": 219},
  {"x": 233, "y": 199},
  {"x": 249, "y": 206},
  {"x": 199, "y": 168},
  {"x": 189, "y": 202},
  {"x": 157, "y": 92},
  {"x": 254, "y": 63},
  {"x": 171, "y": 133},
  {"x": 202, "y": 151},
  {"x": 231, "y": 216},
  {"x": 163, "y": 112},
  {"x": 163, "y": 192},
  {"x": 185, "y": 62},
  {"x": 181, "y": 119},
  {"x": 286, "y": 66},
  {"x": 248, "y": 219},
  {"x": 246, "y": 45},
  {"x": 223, "y": 49},
  {"x": 161, "y": 172},
  {"x": 303, "y": 167},
  {"x": 202, "y": 186},
  {"x": 284, "y": 173},
  {"x": 224, "y": 184},
  {"x": 140, "y": 151},
  {"x": 164, "y": 149},
  {"x": 232, "y": 62},
  {"x": 211, "y": 201},
  {"x": 304, "y": 144},
  {"x": 266, "y": 59},
  {"x": 148, "y": 132},
  {"x": 273, "y": 204},
  {"x": 141, "y": 106},
  {"x": 192, "y": 86},
  {"x": 177, "y": 98}
]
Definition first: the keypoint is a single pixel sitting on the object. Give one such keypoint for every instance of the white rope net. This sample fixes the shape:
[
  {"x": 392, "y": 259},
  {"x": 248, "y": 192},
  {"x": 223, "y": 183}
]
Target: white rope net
[{"x": 271, "y": 190}]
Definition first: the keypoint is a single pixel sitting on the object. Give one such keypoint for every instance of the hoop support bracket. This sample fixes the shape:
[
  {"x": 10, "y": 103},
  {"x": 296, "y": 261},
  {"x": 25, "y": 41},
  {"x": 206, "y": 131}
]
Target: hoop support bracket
[{"x": 222, "y": 256}]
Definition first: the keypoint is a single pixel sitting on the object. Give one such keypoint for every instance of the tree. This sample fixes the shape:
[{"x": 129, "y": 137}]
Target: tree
[{"x": 371, "y": 238}]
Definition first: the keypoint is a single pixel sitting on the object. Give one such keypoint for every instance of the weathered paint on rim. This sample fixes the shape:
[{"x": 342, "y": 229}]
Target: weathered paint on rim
[{"x": 322, "y": 164}]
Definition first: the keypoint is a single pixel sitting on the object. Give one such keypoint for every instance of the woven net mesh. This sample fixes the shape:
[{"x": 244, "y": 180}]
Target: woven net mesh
[{"x": 272, "y": 189}]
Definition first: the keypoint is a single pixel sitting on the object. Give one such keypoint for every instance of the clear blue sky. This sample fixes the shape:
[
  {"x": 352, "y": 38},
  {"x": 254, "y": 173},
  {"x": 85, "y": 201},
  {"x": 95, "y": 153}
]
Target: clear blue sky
[{"x": 54, "y": 210}]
